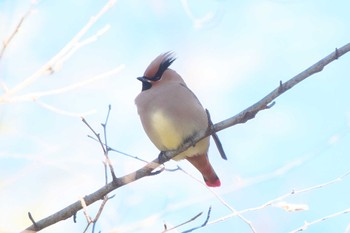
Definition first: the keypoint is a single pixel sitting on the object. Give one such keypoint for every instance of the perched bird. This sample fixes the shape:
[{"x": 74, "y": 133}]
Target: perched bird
[{"x": 171, "y": 115}]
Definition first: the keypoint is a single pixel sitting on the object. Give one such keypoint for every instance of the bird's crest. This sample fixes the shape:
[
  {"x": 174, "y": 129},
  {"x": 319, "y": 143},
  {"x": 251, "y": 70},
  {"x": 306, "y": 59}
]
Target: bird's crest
[{"x": 157, "y": 67}]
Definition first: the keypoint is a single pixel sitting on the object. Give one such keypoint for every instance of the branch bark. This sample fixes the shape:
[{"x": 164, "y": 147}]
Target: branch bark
[{"x": 241, "y": 117}]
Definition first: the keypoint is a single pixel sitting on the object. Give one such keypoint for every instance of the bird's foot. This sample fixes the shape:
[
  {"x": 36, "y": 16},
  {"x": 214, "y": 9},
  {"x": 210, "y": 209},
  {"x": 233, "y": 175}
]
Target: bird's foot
[
  {"x": 190, "y": 140},
  {"x": 163, "y": 157}
]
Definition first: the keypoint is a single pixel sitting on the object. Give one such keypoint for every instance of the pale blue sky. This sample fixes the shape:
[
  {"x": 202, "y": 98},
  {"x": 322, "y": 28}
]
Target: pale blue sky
[{"x": 231, "y": 54}]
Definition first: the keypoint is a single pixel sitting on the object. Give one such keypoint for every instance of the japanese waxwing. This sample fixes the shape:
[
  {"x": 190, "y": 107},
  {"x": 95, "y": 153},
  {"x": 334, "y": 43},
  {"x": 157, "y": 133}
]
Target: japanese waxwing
[{"x": 171, "y": 114}]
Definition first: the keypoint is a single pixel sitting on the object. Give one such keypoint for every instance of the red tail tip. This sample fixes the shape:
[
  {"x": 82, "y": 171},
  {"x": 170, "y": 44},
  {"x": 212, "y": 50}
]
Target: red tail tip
[{"x": 216, "y": 183}]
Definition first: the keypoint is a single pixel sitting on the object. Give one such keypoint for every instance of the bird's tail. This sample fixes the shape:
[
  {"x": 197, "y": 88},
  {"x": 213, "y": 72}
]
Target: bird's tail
[{"x": 201, "y": 162}]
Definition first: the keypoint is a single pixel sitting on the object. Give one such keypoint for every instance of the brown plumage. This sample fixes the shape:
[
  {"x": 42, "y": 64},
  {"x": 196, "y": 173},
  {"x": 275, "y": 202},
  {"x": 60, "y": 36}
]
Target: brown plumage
[{"x": 171, "y": 114}]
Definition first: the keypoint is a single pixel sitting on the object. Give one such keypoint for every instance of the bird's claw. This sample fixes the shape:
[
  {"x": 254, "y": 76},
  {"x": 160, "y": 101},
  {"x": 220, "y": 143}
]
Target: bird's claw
[{"x": 163, "y": 157}]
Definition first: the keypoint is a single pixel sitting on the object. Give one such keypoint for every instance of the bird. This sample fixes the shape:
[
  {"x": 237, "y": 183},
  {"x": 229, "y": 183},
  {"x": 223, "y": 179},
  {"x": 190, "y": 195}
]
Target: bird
[{"x": 171, "y": 115}]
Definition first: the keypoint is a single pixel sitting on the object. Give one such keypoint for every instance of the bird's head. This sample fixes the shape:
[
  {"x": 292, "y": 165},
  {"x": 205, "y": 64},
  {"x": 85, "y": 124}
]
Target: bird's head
[{"x": 155, "y": 70}]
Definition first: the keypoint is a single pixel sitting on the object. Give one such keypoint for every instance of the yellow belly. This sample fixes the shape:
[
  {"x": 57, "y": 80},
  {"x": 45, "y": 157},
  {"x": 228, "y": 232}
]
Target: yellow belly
[{"x": 167, "y": 135}]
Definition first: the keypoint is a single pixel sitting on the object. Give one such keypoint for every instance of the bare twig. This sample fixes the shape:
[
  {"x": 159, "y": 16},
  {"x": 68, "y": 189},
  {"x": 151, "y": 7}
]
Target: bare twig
[
  {"x": 83, "y": 204},
  {"x": 94, "y": 221},
  {"x": 64, "y": 112},
  {"x": 106, "y": 150},
  {"x": 71, "y": 87},
  {"x": 79, "y": 45},
  {"x": 107, "y": 161},
  {"x": 49, "y": 66},
  {"x": 177, "y": 226},
  {"x": 128, "y": 155},
  {"x": 32, "y": 219},
  {"x": 103, "y": 146},
  {"x": 308, "y": 224},
  {"x": 122, "y": 153},
  {"x": 105, "y": 199},
  {"x": 7, "y": 41},
  {"x": 203, "y": 225},
  {"x": 295, "y": 192},
  {"x": 233, "y": 210},
  {"x": 280, "y": 198},
  {"x": 105, "y": 127},
  {"x": 240, "y": 118}
]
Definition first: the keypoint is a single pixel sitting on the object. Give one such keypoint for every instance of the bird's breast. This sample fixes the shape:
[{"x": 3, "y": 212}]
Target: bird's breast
[{"x": 164, "y": 134}]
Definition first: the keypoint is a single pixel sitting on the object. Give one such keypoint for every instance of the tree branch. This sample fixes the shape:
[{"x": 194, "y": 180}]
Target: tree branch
[
  {"x": 49, "y": 66},
  {"x": 71, "y": 87},
  {"x": 280, "y": 198},
  {"x": 250, "y": 112},
  {"x": 241, "y": 117}
]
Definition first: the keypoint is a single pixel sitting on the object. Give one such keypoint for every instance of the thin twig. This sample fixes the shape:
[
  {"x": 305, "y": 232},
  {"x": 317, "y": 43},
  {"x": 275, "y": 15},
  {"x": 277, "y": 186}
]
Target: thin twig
[
  {"x": 240, "y": 118},
  {"x": 51, "y": 63},
  {"x": 79, "y": 45},
  {"x": 106, "y": 171},
  {"x": 64, "y": 112},
  {"x": 295, "y": 192},
  {"x": 93, "y": 131},
  {"x": 7, "y": 41},
  {"x": 280, "y": 198},
  {"x": 104, "y": 148},
  {"x": 137, "y": 158},
  {"x": 32, "y": 219},
  {"x": 162, "y": 167},
  {"x": 105, "y": 199},
  {"x": 181, "y": 224},
  {"x": 84, "y": 206},
  {"x": 57, "y": 91},
  {"x": 233, "y": 210},
  {"x": 121, "y": 152},
  {"x": 128, "y": 155},
  {"x": 105, "y": 127},
  {"x": 203, "y": 225},
  {"x": 94, "y": 221},
  {"x": 108, "y": 161},
  {"x": 308, "y": 224}
]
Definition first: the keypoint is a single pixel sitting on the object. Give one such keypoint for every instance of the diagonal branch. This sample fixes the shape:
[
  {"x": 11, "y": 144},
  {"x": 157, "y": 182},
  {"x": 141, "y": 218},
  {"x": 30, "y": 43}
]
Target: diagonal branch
[
  {"x": 250, "y": 112},
  {"x": 241, "y": 117}
]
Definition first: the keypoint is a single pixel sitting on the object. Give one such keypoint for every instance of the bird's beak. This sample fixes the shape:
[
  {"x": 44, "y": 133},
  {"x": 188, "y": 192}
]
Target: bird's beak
[
  {"x": 146, "y": 84},
  {"x": 143, "y": 79}
]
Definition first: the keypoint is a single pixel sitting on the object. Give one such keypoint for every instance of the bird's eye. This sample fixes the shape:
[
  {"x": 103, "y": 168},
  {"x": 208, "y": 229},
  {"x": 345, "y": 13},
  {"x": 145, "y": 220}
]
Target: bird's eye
[{"x": 155, "y": 78}]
